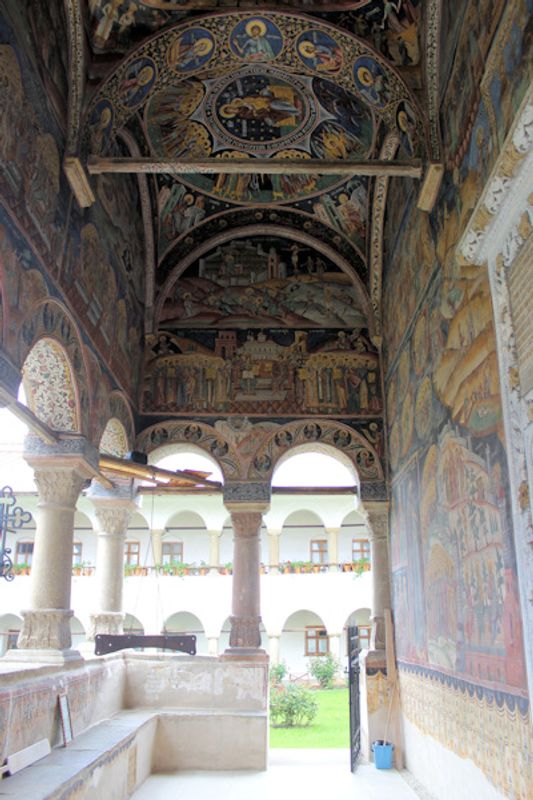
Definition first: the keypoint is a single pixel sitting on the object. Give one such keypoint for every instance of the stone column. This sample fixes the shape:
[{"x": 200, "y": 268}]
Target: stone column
[
  {"x": 246, "y": 503},
  {"x": 335, "y": 646},
  {"x": 214, "y": 551},
  {"x": 333, "y": 548},
  {"x": 378, "y": 525},
  {"x": 113, "y": 510},
  {"x": 156, "y": 537},
  {"x": 273, "y": 648},
  {"x": 273, "y": 551},
  {"x": 212, "y": 645},
  {"x": 60, "y": 473}
]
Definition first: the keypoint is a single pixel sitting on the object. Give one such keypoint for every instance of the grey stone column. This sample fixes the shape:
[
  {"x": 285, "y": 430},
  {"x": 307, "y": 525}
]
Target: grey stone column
[
  {"x": 214, "y": 551},
  {"x": 113, "y": 513},
  {"x": 333, "y": 548},
  {"x": 246, "y": 503},
  {"x": 378, "y": 528},
  {"x": 60, "y": 473},
  {"x": 273, "y": 550}
]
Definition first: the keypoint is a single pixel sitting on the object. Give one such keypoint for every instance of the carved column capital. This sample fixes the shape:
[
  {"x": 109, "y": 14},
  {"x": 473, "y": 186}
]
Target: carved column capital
[
  {"x": 59, "y": 485},
  {"x": 246, "y": 524},
  {"x": 377, "y": 516},
  {"x": 114, "y": 519}
]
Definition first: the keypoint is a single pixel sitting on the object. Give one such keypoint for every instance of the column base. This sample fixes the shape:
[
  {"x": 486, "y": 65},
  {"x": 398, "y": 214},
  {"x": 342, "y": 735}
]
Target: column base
[
  {"x": 58, "y": 658},
  {"x": 244, "y": 654},
  {"x": 45, "y": 629},
  {"x": 106, "y": 622}
]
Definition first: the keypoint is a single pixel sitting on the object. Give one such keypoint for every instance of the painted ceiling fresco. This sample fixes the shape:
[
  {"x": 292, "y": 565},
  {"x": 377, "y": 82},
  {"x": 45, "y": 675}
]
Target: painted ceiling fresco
[
  {"x": 261, "y": 302},
  {"x": 257, "y": 86},
  {"x": 393, "y": 28},
  {"x": 263, "y": 281}
]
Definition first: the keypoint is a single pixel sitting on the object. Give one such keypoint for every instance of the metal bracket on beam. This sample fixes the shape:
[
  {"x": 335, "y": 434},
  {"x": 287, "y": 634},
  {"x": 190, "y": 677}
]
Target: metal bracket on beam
[{"x": 107, "y": 643}]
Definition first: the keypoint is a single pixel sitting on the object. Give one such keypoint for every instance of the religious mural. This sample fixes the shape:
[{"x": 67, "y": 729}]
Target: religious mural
[
  {"x": 264, "y": 281},
  {"x": 455, "y": 588},
  {"x": 262, "y": 112},
  {"x": 392, "y": 27},
  {"x": 248, "y": 372},
  {"x": 93, "y": 256}
]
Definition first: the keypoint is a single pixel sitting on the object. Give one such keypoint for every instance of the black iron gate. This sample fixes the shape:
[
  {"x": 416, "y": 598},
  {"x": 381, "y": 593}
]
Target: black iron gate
[{"x": 353, "y": 684}]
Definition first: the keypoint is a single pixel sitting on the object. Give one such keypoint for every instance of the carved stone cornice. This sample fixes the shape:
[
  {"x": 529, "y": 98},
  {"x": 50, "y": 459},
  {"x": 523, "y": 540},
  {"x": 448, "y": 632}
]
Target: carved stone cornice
[
  {"x": 253, "y": 495},
  {"x": 73, "y": 450},
  {"x": 505, "y": 195}
]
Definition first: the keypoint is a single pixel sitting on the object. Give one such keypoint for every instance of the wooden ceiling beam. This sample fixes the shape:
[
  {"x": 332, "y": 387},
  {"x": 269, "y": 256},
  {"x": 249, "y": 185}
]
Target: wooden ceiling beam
[{"x": 252, "y": 166}]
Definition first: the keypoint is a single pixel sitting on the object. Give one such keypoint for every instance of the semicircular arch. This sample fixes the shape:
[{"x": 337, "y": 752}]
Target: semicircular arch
[
  {"x": 319, "y": 435},
  {"x": 192, "y": 434}
]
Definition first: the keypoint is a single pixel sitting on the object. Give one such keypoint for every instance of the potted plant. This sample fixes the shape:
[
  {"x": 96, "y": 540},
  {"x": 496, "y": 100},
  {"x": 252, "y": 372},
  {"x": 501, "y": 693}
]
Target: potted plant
[
  {"x": 22, "y": 568},
  {"x": 203, "y": 568}
]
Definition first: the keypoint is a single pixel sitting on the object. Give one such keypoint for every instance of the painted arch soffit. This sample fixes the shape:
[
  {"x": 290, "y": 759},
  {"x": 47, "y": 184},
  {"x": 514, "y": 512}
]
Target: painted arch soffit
[
  {"x": 393, "y": 29},
  {"x": 259, "y": 85}
]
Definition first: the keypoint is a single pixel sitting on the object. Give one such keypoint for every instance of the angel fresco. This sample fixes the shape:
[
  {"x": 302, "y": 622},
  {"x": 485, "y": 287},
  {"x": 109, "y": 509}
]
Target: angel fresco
[
  {"x": 319, "y": 52},
  {"x": 256, "y": 40},
  {"x": 137, "y": 82},
  {"x": 371, "y": 80},
  {"x": 190, "y": 50}
]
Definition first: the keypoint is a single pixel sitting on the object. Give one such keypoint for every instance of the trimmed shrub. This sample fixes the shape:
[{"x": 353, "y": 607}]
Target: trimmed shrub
[
  {"x": 292, "y": 707},
  {"x": 324, "y": 670},
  {"x": 277, "y": 673}
]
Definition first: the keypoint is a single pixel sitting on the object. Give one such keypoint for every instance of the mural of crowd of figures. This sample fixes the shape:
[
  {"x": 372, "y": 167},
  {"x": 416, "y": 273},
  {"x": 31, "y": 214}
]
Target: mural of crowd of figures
[
  {"x": 283, "y": 372},
  {"x": 263, "y": 282},
  {"x": 392, "y": 27},
  {"x": 453, "y": 559}
]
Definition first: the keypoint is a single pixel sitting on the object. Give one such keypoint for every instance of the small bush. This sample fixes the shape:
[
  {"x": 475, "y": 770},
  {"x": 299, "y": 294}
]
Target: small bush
[
  {"x": 292, "y": 707},
  {"x": 324, "y": 670},
  {"x": 277, "y": 673}
]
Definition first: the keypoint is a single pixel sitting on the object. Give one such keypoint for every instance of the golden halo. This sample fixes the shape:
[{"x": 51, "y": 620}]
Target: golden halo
[
  {"x": 148, "y": 72},
  {"x": 105, "y": 117},
  {"x": 255, "y": 23},
  {"x": 402, "y": 120},
  {"x": 229, "y": 110},
  {"x": 188, "y": 199},
  {"x": 343, "y": 198},
  {"x": 203, "y": 46},
  {"x": 365, "y": 76},
  {"x": 306, "y": 48}
]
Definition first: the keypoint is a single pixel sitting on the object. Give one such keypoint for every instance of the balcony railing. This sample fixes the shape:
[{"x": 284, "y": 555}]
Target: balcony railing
[{"x": 181, "y": 570}]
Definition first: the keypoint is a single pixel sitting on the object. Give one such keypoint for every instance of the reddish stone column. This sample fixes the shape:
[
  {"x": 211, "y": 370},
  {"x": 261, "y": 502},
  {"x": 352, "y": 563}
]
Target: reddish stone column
[{"x": 246, "y": 503}]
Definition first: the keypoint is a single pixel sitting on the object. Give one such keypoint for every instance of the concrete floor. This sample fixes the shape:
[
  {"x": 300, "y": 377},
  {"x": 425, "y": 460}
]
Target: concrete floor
[{"x": 309, "y": 774}]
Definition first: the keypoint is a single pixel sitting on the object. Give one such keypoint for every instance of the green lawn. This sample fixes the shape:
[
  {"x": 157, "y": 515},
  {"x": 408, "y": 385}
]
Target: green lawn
[{"x": 330, "y": 728}]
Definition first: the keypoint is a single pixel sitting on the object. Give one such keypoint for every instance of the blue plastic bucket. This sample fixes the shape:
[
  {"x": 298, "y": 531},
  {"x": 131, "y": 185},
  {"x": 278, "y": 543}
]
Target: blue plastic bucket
[{"x": 383, "y": 754}]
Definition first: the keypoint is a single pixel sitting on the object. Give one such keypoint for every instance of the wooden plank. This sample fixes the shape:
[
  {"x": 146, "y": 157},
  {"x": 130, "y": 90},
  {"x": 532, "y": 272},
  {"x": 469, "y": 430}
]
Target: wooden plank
[
  {"x": 79, "y": 181},
  {"x": 251, "y": 166},
  {"x": 23, "y": 758},
  {"x": 430, "y": 187}
]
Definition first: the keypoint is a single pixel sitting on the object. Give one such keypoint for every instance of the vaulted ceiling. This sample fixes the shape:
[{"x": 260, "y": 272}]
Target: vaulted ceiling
[{"x": 176, "y": 87}]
